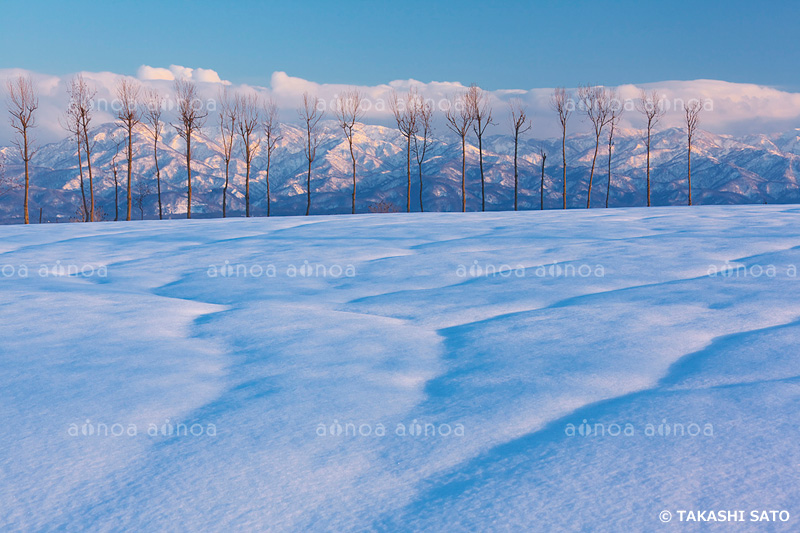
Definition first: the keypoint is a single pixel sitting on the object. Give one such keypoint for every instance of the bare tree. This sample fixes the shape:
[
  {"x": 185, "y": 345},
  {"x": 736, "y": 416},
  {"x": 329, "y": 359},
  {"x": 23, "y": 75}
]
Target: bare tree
[
  {"x": 521, "y": 124},
  {"x": 596, "y": 102},
  {"x": 142, "y": 192},
  {"x": 154, "y": 105},
  {"x": 81, "y": 107},
  {"x": 422, "y": 139},
  {"x": 616, "y": 114},
  {"x": 478, "y": 104},
  {"x": 191, "y": 117},
  {"x": 81, "y": 216},
  {"x": 348, "y": 112},
  {"x": 72, "y": 123},
  {"x": 459, "y": 120},
  {"x": 310, "y": 114},
  {"x": 129, "y": 116},
  {"x": 560, "y": 102},
  {"x": 406, "y": 119},
  {"x": 691, "y": 111},
  {"x": 249, "y": 119},
  {"x": 228, "y": 122},
  {"x": 543, "y": 155},
  {"x": 271, "y": 138},
  {"x": 22, "y": 105},
  {"x": 651, "y": 106},
  {"x": 117, "y": 145}
]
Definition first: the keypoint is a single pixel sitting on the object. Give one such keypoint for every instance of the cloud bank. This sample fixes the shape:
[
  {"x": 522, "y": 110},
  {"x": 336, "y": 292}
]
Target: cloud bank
[{"x": 730, "y": 108}]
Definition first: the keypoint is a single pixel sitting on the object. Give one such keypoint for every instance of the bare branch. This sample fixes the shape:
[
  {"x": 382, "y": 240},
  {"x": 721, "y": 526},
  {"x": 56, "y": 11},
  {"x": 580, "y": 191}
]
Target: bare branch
[
  {"x": 271, "y": 138},
  {"x": 691, "y": 111},
  {"x": 271, "y": 124},
  {"x": 651, "y": 105},
  {"x": 348, "y": 111},
  {"x": 249, "y": 119},
  {"x": 403, "y": 111},
  {"x": 153, "y": 109},
  {"x": 129, "y": 113},
  {"x": 478, "y": 103},
  {"x": 22, "y": 105},
  {"x": 310, "y": 114},
  {"x": 129, "y": 116},
  {"x": 405, "y": 115},
  {"x": 79, "y": 115},
  {"x": 520, "y": 124},
  {"x": 560, "y": 101},
  {"x": 422, "y": 139},
  {"x": 191, "y": 110},
  {"x": 191, "y": 117},
  {"x": 459, "y": 120},
  {"x": 597, "y": 103}
]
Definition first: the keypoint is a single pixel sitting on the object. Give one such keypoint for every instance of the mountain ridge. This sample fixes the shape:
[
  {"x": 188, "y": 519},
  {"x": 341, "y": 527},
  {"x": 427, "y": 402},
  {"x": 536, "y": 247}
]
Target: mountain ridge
[{"x": 725, "y": 170}]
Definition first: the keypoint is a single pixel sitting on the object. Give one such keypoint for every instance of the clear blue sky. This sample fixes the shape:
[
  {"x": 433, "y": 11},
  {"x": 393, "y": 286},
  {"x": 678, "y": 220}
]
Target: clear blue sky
[{"x": 511, "y": 45}]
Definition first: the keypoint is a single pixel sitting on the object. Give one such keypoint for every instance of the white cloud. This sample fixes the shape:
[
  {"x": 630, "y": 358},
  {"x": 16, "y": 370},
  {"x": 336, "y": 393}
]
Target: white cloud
[
  {"x": 735, "y": 108},
  {"x": 147, "y": 73},
  {"x": 178, "y": 72},
  {"x": 207, "y": 76},
  {"x": 181, "y": 73}
]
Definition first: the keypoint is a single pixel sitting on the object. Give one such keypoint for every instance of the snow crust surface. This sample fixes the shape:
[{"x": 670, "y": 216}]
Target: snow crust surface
[{"x": 484, "y": 325}]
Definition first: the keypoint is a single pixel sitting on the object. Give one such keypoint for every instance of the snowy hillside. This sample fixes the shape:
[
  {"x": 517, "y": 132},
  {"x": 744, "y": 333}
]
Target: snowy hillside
[
  {"x": 726, "y": 170},
  {"x": 580, "y": 371}
]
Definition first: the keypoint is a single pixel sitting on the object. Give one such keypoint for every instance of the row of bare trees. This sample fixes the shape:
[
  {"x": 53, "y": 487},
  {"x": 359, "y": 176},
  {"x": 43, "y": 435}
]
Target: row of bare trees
[
  {"x": 603, "y": 110},
  {"x": 253, "y": 123}
]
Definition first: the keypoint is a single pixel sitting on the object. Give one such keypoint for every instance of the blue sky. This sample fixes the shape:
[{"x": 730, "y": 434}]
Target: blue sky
[{"x": 512, "y": 45}]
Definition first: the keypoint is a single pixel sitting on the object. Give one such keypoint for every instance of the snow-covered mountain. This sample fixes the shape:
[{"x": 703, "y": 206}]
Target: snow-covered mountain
[{"x": 725, "y": 170}]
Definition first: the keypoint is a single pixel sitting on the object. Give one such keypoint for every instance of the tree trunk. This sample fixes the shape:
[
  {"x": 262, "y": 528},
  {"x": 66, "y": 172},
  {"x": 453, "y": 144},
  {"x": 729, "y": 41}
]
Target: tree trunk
[
  {"x": 308, "y": 189},
  {"x": 480, "y": 163},
  {"x": 189, "y": 175},
  {"x": 516, "y": 178},
  {"x": 648, "y": 166},
  {"x": 225, "y": 189},
  {"x": 269, "y": 200},
  {"x": 247, "y": 184},
  {"x": 353, "y": 158},
  {"x": 690, "y": 171},
  {"x": 591, "y": 172},
  {"x": 83, "y": 189},
  {"x": 421, "y": 209},
  {"x": 116, "y": 194},
  {"x": 130, "y": 165},
  {"x": 408, "y": 172},
  {"x": 89, "y": 166},
  {"x": 463, "y": 174},
  {"x": 541, "y": 187},
  {"x": 27, "y": 181},
  {"x": 564, "y": 162},
  {"x": 158, "y": 179},
  {"x": 608, "y": 189}
]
